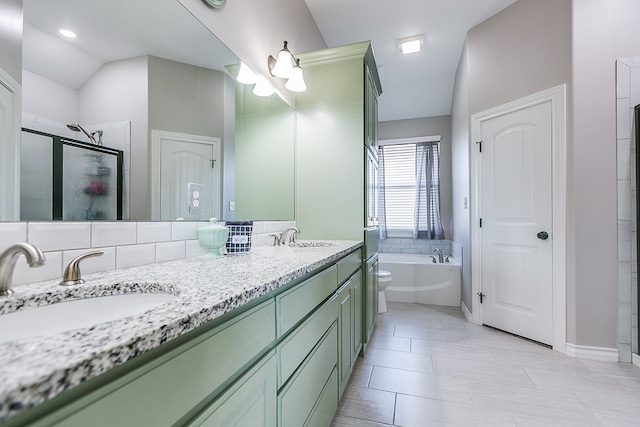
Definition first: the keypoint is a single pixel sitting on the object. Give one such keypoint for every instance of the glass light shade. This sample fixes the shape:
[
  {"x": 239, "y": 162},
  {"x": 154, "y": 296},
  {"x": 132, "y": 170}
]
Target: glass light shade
[
  {"x": 296, "y": 81},
  {"x": 245, "y": 75},
  {"x": 263, "y": 88},
  {"x": 284, "y": 64}
]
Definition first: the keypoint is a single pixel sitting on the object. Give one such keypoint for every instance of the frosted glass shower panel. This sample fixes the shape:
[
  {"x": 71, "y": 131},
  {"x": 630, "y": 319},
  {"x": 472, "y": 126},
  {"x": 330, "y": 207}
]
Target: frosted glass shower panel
[
  {"x": 90, "y": 186},
  {"x": 36, "y": 170}
]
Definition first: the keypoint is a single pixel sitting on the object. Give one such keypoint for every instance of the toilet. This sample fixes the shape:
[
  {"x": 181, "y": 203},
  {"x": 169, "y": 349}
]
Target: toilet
[{"x": 384, "y": 278}]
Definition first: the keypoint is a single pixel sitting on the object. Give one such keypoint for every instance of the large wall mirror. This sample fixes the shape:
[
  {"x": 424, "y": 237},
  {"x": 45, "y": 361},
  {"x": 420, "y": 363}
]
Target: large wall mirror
[{"x": 156, "y": 83}]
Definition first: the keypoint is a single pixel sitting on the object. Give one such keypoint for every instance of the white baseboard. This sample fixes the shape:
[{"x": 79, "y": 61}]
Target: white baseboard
[
  {"x": 635, "y": 359},
  {"x": 467, "y": 313},
  {"x": 592, "y": 353}
]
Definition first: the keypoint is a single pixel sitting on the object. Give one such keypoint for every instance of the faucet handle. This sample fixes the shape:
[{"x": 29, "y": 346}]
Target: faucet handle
[
  {"x": 71, "y": 275},
  {"x": 276, "y": 239}
]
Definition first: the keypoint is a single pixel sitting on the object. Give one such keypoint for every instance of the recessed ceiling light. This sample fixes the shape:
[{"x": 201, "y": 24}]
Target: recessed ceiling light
[
  {"x": 410, "y": 44},
  {"x": 67, "y": 33}
]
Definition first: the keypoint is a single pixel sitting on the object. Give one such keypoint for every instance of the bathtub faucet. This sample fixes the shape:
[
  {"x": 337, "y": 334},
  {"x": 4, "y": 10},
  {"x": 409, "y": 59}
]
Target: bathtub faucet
[{"x": 440, "y": 257}]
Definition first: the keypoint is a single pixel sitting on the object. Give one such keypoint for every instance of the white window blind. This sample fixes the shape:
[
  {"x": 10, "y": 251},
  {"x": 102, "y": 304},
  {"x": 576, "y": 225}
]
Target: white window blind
[{"x": 400, "y": 185}]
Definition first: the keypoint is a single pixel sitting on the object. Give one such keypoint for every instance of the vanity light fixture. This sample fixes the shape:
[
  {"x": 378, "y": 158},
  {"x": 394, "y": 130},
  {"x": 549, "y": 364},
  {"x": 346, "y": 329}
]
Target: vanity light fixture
[
  {"x": 411, "y": 44},
  {"x": 283, "y": 66},
  {"x": 263, "y": 88},
  {"x": 67, "y": 33},
  {"x": 287, "y": 67},
  {"x": 296, "y": 81},
  {"x": 246, "y": 76}
]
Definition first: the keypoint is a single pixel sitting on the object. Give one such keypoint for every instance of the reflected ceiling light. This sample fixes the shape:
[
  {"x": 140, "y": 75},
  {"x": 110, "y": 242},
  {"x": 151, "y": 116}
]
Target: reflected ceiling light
[
  {"x": 287, "y": 67},
  {"x": 410, "y": 44},
  {"x": 263, "y": 88},
  {"x": 283, "y": 66},
  {"x": 245, "y": 75},
  {"x": 296, "y": 81},
  {"x": 67, "y": 33}
]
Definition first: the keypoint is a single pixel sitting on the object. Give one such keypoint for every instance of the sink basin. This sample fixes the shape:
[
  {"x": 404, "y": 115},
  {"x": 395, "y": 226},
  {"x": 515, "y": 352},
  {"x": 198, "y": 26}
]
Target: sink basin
[
  {"x": 311, "y": 244},
  {"x": 83, "y": 313}
]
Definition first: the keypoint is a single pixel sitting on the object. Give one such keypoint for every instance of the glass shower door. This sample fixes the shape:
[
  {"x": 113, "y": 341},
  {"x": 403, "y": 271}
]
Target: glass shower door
[{"x": 89, "y": 184}]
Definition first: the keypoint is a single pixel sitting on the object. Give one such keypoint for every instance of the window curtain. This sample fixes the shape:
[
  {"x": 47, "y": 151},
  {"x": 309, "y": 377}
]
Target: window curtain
[
  {"x": 427, "y": 223},
  {"x": 382, "y": 211}
]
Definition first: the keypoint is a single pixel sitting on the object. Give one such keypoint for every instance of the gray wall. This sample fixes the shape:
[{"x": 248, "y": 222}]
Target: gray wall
[
  {"x": 460, "y": 173},
  {"x": 46, "y": 98},
  {"x": 603, "y": 31},
  {"x": 11, "y": 38},
  {"x": 118, "y": 92},
  {"x": 531, "y": 46},
  {"x": 440, "y": 125}
]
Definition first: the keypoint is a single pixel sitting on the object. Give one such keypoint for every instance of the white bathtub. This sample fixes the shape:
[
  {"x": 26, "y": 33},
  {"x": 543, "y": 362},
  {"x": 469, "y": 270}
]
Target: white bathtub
[{"x": 415, "y": 278}]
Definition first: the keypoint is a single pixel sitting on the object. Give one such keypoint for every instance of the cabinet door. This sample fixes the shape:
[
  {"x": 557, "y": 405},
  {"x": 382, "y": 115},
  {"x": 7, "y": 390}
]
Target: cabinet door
[
  {"x": 371, "y": 306},
  {"x": 356, "y": 299},
  {"x": 371, "y": 185},
  {"x": 251, "y": 401},
  {"x": 345, "y": 324}
]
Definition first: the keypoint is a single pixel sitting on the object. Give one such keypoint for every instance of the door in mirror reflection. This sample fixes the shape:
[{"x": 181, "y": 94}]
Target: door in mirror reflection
[{"x": 189, "y": 177}]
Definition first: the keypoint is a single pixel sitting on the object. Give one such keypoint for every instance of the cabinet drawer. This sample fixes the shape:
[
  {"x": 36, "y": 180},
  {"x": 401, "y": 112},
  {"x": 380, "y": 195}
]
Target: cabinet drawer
[
  {"x": 251, "y": 401},
  {"x": 295, "y": 348},
  {"x": 164, "y": 394},
  {"x": 296, "y": 304},
  {"x": 301, "y": 395},
  {"x": 327, "y": 405},
  {"x": 348, "y": 265}
]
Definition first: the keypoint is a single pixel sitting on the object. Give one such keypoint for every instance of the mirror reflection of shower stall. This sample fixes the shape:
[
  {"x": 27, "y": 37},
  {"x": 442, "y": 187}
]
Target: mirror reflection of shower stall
[{"x": 66, "y": 179}]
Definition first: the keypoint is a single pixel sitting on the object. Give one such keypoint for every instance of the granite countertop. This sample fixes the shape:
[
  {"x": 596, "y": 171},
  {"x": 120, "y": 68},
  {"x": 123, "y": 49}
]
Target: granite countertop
[{"x": 34, "y": 370}]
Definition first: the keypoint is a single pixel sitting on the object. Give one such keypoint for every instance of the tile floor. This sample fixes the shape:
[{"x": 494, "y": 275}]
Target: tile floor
[{"x": 427, "y": 366}]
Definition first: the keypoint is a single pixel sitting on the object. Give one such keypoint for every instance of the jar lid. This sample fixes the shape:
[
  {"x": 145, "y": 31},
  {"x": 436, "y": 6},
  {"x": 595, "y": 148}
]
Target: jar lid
[{"x": 213, "y": 225}]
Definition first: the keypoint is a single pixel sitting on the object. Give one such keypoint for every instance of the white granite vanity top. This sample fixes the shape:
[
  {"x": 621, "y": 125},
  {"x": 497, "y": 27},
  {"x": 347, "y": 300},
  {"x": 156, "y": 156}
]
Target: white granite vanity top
[{"x": 37, "y": 369}]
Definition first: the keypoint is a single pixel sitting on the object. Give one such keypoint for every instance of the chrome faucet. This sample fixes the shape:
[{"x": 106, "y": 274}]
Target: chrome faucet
[
  {"x": 71, "y": 275},
  {"x": 440, "y": 257},
  {"x": 8, "y": 258},
  {"x": 287, "y": 236}
]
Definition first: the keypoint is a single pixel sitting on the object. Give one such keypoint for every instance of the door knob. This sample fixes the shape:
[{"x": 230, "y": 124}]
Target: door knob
[{"x": 543, "y": 235}]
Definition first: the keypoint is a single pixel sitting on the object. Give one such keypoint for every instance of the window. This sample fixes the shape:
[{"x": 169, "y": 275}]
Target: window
[{"x": 410, "y": 190}]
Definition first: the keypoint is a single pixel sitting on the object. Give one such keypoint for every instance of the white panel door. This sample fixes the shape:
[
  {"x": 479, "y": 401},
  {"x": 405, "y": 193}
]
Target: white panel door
[
  {"x": 182, "y": 163},
  {"x": 516, "y": 212}
]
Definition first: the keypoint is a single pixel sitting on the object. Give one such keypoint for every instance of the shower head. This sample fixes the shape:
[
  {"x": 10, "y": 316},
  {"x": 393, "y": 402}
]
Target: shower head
[{"x": 77, "y": 128}]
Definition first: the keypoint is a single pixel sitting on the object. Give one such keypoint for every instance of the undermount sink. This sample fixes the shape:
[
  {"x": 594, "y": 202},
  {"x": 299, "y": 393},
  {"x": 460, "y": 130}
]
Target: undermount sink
[
  {"x": 83, "y": 313},
  {"x": 311, "y": 244}
]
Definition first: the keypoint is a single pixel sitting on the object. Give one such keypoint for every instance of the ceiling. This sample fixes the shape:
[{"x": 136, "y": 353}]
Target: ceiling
[
  {"x": 415, "y": 85},
  {"x": 106, "y": 33}
]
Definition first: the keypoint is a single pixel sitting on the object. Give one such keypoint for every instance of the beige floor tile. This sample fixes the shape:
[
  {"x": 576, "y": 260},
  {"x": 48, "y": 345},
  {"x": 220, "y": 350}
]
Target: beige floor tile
[
  {"x": 389, "y": 342},
  {"x": 438, "y": 387},
  {"x": 367, "y": 404},
  {"x": 457, "y": 374},
  {"x": 420, "y": 412},
  {"x": 399, "y": 360},
  {"x": 339, "y": 421}
]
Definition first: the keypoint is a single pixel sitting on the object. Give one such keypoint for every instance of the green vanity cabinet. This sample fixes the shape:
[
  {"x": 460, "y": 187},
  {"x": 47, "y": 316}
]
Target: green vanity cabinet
[
  {"x": 371, "y": 297},
  {"x": 281, "y": 360},
  {"x": 350, "y": 322},
  {"x": 251, "y": 401}
]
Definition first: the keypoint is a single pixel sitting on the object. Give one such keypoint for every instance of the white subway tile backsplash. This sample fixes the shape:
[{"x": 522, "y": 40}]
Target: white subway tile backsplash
[
  {"x": 150, "y": 232},
  {"x": 182, "y": 230},
  {"x": 258, "y": 227},
  {"x": 113, "y": 234},
  {"x": 97, "y": 264},
  {"x": 134, "y": 255},
  {"x": 12, "y": 232},
  {"x": 51, "y": 270},
  {"x": 55, "y": 236},
  {"x": 193, "y": 248},
  {"x": 168, "y": 251}
]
